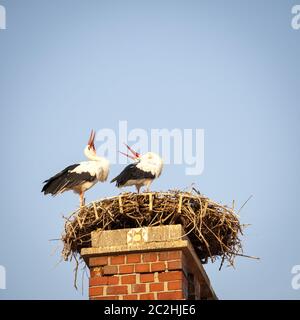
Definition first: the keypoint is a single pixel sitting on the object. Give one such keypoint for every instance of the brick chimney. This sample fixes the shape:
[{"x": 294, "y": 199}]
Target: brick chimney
[{"x": 151, "y": 263}]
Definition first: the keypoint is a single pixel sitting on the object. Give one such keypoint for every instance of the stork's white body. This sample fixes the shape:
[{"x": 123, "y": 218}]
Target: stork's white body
[
  {"x": 151, "y": 162},
  {"x": 96, "y": 168},
  {"x": 141, "y": 173},
  {"x": 80, "y": 177}
]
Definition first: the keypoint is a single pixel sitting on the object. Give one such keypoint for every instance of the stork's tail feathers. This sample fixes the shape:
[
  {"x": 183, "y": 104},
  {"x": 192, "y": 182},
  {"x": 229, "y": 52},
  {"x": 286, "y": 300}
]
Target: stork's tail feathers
[
  {"x": 52, "y": 187},
  {"x": 113, "y": 180},
  {"x": 57, "y": 183},
  {"x": 116, "y": 180}
]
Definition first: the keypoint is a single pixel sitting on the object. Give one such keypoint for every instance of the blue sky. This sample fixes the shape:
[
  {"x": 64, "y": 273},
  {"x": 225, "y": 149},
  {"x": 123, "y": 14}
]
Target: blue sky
[{"x": 228, "y": 67}]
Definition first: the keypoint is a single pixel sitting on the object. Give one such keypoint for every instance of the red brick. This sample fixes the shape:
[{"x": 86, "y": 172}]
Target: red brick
[
  {"x": 174, "y": 265},
  {"x": 133, "y": 258},
  {"x": 117, "y": 290},
  {"x": 103, "y": 280},
  {"x": 106, "y": 298},
  {"x": 147, "y": 296},
  {"x": 126, "y": 269},
  {"x": 175, "y": 285},
  {"x": 150, "y": 257},
  {"x": 157, "y": 286},
  {"x": 138, "y": 288},
  {"x": 128, "y": 279},
  {"x": 110, "y": 270},
  {"x": 142, "y": 268},
  {"x": 173, "y": 255},
  {"x": 158, "y": 266},
  {"x": 130, "y": 297},
  {"x": 185, "y": 282},
  {"x": 169, "y": 255},
  {"x": 113, "y": 280},
  {"x": 117, "y": 259},
  {"x": 147, "y": 277},
  {"x": 96, "y": 291},
  {"x": 173, "y": 295},
  {"x": 96, "y": 272},
  {"x": 99, "y": 261},
  {"x": 162, "y": 256},
  {"x": 169, "y": 276}
]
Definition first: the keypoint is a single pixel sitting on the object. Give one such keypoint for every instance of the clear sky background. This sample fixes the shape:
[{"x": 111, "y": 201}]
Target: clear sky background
[{"x": 229, "y": 67}]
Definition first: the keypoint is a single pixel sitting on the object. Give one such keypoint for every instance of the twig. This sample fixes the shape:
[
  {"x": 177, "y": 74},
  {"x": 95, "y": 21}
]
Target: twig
[{"x": 244, "y": 204}]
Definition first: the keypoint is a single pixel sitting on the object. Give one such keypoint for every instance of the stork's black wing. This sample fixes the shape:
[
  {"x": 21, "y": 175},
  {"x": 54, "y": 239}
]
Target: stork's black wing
[
  {"x": 66, "y": 179},
  {"x": 131, "y": 172}
]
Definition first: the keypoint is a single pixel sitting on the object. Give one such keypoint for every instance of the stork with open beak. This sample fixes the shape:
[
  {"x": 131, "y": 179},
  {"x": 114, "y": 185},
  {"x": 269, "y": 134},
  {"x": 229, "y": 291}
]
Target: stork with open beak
[
  {"x": 142, "y": 172},
  {"x": 80, "y": 177}
]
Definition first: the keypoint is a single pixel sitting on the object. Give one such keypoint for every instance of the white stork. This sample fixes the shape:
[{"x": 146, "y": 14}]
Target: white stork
[
  {"x": 146, "y": 168},
  {"x": 80, "y": 177}
]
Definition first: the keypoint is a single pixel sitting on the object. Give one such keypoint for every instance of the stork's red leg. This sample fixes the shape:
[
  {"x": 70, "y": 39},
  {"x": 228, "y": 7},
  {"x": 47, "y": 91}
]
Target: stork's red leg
[
  {"x": 81, "y": 199},
  {"x": 148, "y": 186}
]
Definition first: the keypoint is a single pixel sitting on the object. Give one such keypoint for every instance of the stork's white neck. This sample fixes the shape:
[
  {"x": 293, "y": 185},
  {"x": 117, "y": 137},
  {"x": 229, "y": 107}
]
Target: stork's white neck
[
  {"x": 91, "y": 155},
  {"x": 95, "y": 158}
]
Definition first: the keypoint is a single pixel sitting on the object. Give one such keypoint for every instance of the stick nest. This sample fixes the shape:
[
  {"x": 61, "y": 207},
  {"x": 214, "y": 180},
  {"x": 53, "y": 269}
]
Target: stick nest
[{"x": 213, "y": 229}]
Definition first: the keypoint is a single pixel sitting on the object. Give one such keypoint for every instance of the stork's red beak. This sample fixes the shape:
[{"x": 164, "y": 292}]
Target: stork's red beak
[
  {"x": 135, "y": 155},
  {"x": 91, "y": 142}
]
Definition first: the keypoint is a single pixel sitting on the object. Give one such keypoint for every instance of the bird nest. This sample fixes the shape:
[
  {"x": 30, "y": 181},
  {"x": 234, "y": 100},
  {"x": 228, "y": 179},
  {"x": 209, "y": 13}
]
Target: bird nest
[{"x": 213, "y": 229}]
